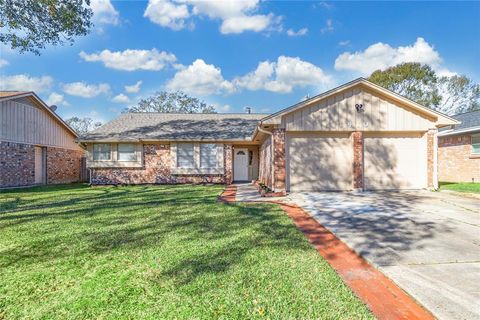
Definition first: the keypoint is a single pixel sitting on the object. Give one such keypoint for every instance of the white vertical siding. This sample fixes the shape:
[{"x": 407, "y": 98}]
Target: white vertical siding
[
  {"x": 338, "y": 113},
  {"x": 26, "y": 123}
]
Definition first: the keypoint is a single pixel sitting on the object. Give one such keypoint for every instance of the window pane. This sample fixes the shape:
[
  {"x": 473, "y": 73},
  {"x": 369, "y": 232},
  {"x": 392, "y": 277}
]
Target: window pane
[
  {"x": 476, "y": 144},
  {"x": 185, "y": 155},
  {"x": 101, "y": 151},
  {"x": 208, "y": 155},
  {"x": 126, "y": 152}
]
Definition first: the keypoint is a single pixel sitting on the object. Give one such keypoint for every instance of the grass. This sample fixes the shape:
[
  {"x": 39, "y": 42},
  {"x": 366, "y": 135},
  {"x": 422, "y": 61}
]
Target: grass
[
  {"x": 468, "y": 187},
  {"x": 163, "y": 252}
]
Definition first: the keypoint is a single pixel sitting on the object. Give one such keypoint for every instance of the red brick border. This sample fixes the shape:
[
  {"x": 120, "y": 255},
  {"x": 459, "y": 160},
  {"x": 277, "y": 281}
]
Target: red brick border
[{"x": 382, "y": 296}]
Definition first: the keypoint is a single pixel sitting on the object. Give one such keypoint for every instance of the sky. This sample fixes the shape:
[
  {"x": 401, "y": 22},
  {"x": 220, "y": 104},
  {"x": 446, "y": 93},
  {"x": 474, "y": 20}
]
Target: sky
[{"x": 266, "y": 55}]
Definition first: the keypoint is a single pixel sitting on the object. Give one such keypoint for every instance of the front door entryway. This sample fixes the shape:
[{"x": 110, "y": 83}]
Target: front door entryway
[{"x": 240, "y": 167}]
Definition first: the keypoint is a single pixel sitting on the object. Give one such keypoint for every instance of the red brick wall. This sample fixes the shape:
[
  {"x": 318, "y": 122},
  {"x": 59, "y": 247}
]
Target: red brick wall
[
  {"x": 63, "y": 165},
  {"x": 357, "y": 160},
  {"x": 265, "y": 163},
  {"x": 156, "y": 170},
  {"x": 430, "y": 158},
  {"x": 455, "y": 160},
  {"x": 279, "y": 170},
  {"x": 17, "y": 164}
]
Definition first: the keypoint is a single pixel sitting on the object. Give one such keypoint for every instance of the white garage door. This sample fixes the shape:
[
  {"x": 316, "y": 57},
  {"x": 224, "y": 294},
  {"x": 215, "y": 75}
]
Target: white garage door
[
  {"x": 395, "y": 161},
  {"x": 318, "y": 162}
]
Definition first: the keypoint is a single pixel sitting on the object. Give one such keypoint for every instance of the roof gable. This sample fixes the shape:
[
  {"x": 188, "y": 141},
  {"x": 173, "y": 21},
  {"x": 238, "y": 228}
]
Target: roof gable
[
  {"x": 439, "y": 118},
  {"x": 20, "y": 95}
]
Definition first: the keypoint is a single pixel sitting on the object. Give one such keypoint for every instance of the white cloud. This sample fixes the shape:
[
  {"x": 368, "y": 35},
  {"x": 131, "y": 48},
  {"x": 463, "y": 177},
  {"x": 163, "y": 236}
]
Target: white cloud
[
  {"x": 130, "y": 59},
  {"x": 236, "y": 16},
  {"x": 3, "y": 63},
  {"x": 283, "y": 75},
  {"x": 84, "y": 90},
  {"x": 121, "y": 98},
  {"x": 56, "y": 99},
  {"x": 201, "y": 79},
  {"x": 293, "y": 33},
  {"x": 224, "y": 108},
  {"x": 381, "y": 56},
  {"x": 24, "y": 82},
  {"x": 328, "y": 26},
  {"x": 134, "y": 88},
  {"x": 104, "y": 12},
  {"x": 167, "y": 13},
  {"x": 344, "y": 43}
]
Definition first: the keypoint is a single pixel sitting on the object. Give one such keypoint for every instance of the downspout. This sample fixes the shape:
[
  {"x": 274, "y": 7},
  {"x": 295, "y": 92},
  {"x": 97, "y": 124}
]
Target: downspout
[{"x": 435, "y": 160}]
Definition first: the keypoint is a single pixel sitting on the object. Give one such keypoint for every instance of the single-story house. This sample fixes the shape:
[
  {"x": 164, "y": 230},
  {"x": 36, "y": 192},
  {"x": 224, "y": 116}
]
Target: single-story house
[
  {"x": 36, "y": 145},
  {"x": 356, "y": 136},
  {"x": 459, "y": 149}
]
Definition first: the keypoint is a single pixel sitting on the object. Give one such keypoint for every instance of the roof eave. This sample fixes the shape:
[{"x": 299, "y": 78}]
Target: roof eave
[{"x": 461, "y": 131}]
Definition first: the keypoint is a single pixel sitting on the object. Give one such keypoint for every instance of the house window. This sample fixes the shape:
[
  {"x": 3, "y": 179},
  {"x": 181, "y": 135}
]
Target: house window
[
  {"x": 126, "y": 152},
  {"x": 208, "y": 155},
  {"x": 476, "y": 144},
  {"x": 185, "y": 158},
  {"x": 102, "y": 152}
]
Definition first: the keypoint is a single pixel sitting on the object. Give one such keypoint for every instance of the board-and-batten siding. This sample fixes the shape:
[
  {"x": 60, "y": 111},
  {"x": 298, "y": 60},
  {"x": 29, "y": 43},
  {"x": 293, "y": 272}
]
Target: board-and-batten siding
[
  {"x": 338, "y": 113},
  {"x": 25, "y": 123}
]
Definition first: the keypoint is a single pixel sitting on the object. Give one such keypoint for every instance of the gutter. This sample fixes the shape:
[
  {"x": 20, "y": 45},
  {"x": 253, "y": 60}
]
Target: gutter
[{"x": 454, "y": 132}]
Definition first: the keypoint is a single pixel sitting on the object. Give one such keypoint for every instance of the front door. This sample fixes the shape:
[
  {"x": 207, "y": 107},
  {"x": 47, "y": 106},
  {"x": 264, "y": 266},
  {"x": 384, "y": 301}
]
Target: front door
[{"x": 240, "y": 168}]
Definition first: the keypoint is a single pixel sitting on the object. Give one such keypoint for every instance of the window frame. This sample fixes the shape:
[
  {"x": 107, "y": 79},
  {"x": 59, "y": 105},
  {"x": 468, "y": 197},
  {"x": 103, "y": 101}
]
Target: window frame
[
  {"x": 179, "y": 147},
  {"x": 211, "y": 146},
  {"x": 135, "y": 156},
  {"x": 473, "y": 151},
  {"x": 94, "y": 152}
]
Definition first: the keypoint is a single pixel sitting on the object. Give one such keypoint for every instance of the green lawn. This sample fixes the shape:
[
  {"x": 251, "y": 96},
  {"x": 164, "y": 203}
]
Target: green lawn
[
  {"x": 159, "y": 252},
  {"x": 461, "y": 187}
]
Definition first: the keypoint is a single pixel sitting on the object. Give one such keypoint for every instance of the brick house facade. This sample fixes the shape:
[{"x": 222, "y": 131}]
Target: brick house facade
[
  {"x": 456, "y": 163},
  {"x": 357, "y": 136},
  {"x": 36, "y": 146}
]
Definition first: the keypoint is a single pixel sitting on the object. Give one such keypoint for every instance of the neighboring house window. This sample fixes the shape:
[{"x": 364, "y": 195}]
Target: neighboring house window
[
  {"x": 102, "y": 151},
  {"x": 208, "y": 155},
  {"x": 126, "y": 152},
  {"x": 185, "y": 158},
  {"x": 476, "y": 144}
]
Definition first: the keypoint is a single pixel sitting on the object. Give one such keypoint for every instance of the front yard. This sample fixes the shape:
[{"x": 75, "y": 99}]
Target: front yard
[
  {"x": 468, "y": 187},
  {"x": 159, "y": 252}
]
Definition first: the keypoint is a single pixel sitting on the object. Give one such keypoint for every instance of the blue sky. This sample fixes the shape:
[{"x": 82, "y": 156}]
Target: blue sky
[{"x": 262, "y": 54}]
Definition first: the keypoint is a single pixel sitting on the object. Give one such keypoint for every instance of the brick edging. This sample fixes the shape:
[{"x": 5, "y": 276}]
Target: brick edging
[{"x": 382, "y": 296}]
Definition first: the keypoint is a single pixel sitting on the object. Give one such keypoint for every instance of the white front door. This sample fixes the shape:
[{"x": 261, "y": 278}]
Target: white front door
[{"x": 240, "y": 167}]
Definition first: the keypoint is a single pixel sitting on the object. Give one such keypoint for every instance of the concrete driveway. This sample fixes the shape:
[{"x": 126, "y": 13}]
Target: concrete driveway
[{"x": 426, "y": 242}]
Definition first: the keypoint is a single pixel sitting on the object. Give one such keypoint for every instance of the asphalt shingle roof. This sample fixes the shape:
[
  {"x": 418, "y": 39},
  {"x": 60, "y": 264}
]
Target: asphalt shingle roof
[
  {"x": 468, "y": 119},
  {"x": 174, "y": 126}
]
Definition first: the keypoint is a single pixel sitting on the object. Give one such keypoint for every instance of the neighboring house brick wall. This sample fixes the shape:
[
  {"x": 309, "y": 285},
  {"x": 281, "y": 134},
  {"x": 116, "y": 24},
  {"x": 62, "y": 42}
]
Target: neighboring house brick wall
[
  {"x": 455, "y": 160},
  {"x": 63, "y": 165},
  {"x": 156, "y": 170},
  {"x": 17, "y": 164}
]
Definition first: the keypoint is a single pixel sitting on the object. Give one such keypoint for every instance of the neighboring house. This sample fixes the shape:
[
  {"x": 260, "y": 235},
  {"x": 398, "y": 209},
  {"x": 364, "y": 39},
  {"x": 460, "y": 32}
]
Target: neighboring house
[
  {"x": 356, "y": 136},
  {"x": 36, "y": 145},
  {"x": 459, "y": 149}
]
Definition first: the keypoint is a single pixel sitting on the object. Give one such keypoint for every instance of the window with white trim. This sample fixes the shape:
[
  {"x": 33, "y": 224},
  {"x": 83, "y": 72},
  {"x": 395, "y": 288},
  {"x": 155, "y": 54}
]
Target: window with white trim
[
  {"x": 126, "y": 152},
  {"x": 476, "y": 144},
  {"x": 185, "y": 155},
  {"x": 208, "y": 155},
  {"x": 102, "y": 151}
]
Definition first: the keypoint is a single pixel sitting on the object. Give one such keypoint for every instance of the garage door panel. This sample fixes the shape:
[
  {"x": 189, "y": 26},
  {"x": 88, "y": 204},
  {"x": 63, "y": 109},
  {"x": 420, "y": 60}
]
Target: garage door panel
[
  {"x": 319, "y": 163},
  {"x": 395, "y": 162}
]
